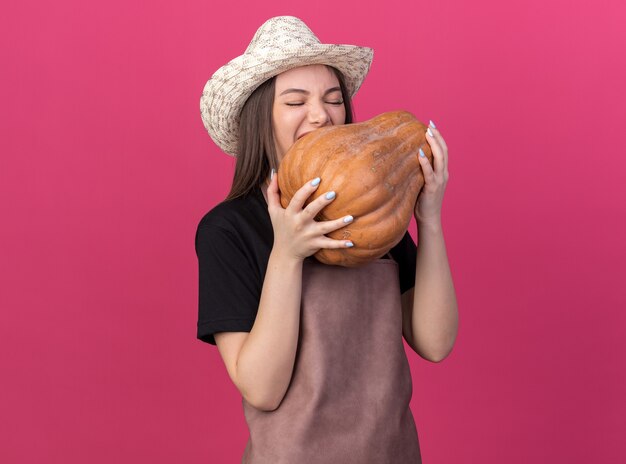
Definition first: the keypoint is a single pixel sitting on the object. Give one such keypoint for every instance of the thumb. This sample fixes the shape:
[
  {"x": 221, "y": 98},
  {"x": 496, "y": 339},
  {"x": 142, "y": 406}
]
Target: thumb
[{"x": 273, "y": 195}]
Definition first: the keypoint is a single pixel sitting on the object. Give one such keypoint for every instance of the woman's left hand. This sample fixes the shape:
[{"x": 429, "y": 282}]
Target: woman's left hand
[{"x": 428, "y": 204}]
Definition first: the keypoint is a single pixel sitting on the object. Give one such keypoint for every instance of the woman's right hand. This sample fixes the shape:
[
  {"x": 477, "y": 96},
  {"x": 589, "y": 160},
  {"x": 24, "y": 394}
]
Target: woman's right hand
[{"x": 296, "y": 232}]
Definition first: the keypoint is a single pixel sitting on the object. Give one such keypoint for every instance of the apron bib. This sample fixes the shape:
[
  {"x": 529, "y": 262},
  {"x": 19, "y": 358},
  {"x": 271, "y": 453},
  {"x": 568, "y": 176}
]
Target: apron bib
[{"x": 348, "y": 400}]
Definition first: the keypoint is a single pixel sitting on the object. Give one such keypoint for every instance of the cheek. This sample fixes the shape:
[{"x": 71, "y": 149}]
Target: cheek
[
  {"x": 289, "y": 124},
  {"x": 284, "y": 130},
  {"x": 339, "y": 115},
  {"x": 279, "y": 124},
  {"x": 281, "y": 118}
]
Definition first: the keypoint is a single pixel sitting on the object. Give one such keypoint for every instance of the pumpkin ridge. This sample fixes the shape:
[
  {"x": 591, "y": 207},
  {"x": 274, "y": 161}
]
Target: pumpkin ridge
[
  {"x": 394, "y": 214},
  {"x": 385, "y": 206},
  {"x": 374, "y": 168},
  {"x": 391, "y": 178}
]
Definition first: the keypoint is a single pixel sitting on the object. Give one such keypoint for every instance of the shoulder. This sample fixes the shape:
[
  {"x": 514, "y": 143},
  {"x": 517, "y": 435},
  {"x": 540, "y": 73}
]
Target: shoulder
[
  {"x": 231, "y": 215},
  {"x": 242, "y": 222},
  {"x": 228, "y": 213}
]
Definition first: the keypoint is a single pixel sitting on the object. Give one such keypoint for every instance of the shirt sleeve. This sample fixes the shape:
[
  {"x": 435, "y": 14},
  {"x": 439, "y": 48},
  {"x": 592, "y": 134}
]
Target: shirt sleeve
[
  {"x": 229, "y": 291},
  {"x": 405, "y": 254}
]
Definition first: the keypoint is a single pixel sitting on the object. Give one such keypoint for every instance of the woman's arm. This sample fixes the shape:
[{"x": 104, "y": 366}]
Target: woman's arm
[
  {"x": 266, "y": 359},
  {"x": 432, "y": 313}
]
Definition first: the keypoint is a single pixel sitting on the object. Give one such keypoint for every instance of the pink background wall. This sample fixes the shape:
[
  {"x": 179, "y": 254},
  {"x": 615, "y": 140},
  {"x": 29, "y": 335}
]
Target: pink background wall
[{"x": 106, "y": 170}]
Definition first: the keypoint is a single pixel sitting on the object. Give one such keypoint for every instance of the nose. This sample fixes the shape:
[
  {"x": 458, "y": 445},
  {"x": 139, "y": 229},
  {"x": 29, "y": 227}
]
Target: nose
[{"x": 318, "y": 114}]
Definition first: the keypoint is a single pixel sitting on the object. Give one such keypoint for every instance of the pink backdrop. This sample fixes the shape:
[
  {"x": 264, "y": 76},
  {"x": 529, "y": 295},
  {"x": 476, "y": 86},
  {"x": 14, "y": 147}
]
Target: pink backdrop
[{"x": 106, "y": 170}]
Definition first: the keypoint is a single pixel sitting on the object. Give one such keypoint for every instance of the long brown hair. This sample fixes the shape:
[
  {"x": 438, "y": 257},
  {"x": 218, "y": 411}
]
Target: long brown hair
[{"x": 256, "y": 151}]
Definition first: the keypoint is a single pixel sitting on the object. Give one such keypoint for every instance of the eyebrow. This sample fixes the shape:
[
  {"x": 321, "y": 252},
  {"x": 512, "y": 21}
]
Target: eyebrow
[{"x": 306, "y": 92}]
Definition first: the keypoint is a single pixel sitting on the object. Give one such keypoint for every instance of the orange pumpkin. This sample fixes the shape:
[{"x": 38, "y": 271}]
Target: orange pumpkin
[{"x": 374, "y": 169}]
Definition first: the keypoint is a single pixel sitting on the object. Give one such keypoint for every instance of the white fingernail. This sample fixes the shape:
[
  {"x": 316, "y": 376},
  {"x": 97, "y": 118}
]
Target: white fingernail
[
  {"x": 272, "y": 173},
  {"x": 430, "y": 132},
  {"x": 432, "y": 124},
  {"x": 349, "y": 244},
  {"x": 348, "y": 219}
]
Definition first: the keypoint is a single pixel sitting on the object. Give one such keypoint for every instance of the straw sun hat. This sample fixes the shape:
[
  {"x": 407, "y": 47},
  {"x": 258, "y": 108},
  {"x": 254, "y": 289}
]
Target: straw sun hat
[{"x": 281, "y": 43}]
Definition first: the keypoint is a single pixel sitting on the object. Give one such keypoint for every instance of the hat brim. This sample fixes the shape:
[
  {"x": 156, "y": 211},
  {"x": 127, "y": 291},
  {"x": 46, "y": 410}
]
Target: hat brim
[{"x": 227, "y": 90}]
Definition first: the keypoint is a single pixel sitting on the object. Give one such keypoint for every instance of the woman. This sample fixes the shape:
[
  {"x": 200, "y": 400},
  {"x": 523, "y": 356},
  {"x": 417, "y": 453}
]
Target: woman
[{"x": 316, "y": 351}]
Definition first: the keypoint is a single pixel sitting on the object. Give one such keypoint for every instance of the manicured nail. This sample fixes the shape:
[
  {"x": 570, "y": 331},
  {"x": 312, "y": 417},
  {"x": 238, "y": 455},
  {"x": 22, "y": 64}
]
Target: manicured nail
[
  {"x": 330, "y": 195},
  {"x": 430, "y": 132},
  {"x": 422, "y": 154},
  {"x": 272, "y": 173},
  {"x": 349, "y": 244},
  {"x": 315, "y": 181},
  {"x": 348, "y": 219},
  {"x": 432, "y": 124}
]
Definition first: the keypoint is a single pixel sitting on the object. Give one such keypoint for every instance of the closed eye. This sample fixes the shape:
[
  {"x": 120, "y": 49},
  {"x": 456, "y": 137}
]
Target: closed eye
[{"x": 300, "y": 104}]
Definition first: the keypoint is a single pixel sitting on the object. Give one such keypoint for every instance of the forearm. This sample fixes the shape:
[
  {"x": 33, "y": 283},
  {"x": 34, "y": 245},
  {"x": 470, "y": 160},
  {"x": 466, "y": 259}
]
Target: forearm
[
  {"x": 266, "y": 360},
  {"x": 435, "y": 313}
]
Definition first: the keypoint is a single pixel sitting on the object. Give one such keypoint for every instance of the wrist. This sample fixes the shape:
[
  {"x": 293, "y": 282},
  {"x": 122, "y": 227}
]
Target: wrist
[
  {"x": 431, "y": 225},
  {"x": 284, "y": 259}
]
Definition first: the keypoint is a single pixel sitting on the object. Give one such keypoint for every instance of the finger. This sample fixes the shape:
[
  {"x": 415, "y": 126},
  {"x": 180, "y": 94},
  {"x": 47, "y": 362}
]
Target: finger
[
  {"x": 326, "y": 242},
  {"x": 437, "y": 133},
  {"x": 273, "y": 193},
  {"x": 435, "y": 147},
  {"x": 329, "y": 226},
  {"x": 442, "y": 143},
  {"x": 301, "y": 195},
  {"x": 427, "y": 169},
  {"x": 313, "y": 208}
]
